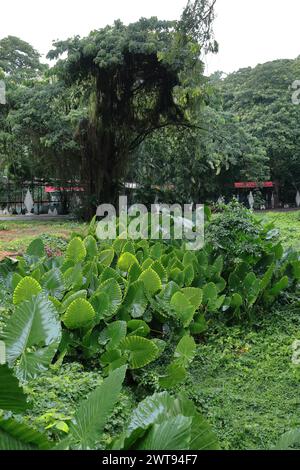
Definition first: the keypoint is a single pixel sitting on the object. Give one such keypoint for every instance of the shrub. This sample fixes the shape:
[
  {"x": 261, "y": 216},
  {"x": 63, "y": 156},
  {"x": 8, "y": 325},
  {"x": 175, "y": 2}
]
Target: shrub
[{"x": 238, "y": 235}]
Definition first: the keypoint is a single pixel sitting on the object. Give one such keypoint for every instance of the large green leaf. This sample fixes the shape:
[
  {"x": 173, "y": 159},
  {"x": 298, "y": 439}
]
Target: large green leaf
[
  {"x": 134, "y": 273},
  {"x": 113, "y": 334},
  {"x": 101, "y": 305},
  {"x": 26, "y": 288},
  {"x": 185, "y": 351},
  {"x": 160, "y": 270},
  {"x": 160, "y": 408},
  {"x": 138, "y": 328},
  {"x": 149, "y": 411},
  {"x": 279, "y": 286},
  {"x": 32, "y": 335},
  {"x": 90, "y": 246},
  {"x": 144, "y": 428},
  {"x": 126, "y": 260},
  {"x": 110, "y": 273},
  {"x": 106, "y": 257},
  {"x": 93, "y": 413},
  {"x": 129, "y": 247},
  {"x": 15, "y": 435},
  {"x": 175, "y": 374},
  {"x": 194, "y": 295},
  {"x": 169, "y": 290},
  {"x": 36, "y": 248},
  {"x": 12, "y": 397},
  {"x": 289, "y": 440},
  {"x": 76, "y": 251},
  {"x": 188, "y": 274},
  {"x": 73, "y": 277},
  {"x": 68, "y": 299},
  {"x": 79, "y": 314},
  {"x": 136, "y": 301},
  {"x": 210, "y": 293},
  {"x": 199, "y": 324},
  {"x": 141, "y": 351},
  {"x": 53, "y": 282},
  {"x": 183, "y": 307},
  {"x": 172, "y": 434},
  {"x": 265, "y": 281},
  {"x": 203, "y": 437},
  {"x": 151, "y": 281},
  {"x": 112, "y": 291},
  {"x": 236, "y": 301}
]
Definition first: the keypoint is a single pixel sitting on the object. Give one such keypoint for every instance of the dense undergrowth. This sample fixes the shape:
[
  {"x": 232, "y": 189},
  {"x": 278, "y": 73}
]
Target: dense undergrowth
[{"x": 149, "y": 326}]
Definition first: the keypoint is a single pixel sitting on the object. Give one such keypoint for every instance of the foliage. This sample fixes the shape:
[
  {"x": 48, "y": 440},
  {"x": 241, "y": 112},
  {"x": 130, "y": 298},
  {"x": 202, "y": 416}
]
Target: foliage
[
  {"x": 19, "y": 60},
  {"x": 143, "y": 305},
  {"x": 123, "y": 102},
  {"x": 12, "y": 397},
  {"x": 199, "y": 163},
  {"x": 56, "y": 394},
  {"x": 115, "y": 304},
  {"x": 161, "y": 422},
  {"x": 244, "y": 381},
  {"x": 15, "y": 435},
  {"x": 92, "y": 414},
  {"x": 262, "y": 98},
  {"x": 239, "y": 235},
  {"x": 289, "y": 440},
  {"x": 32, "y": 336},
  {"x": 177, "y": 426}
]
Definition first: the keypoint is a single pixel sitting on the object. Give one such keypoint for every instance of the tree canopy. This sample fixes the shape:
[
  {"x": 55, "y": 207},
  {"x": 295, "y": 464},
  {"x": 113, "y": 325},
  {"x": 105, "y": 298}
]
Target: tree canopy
[
  {"x": 262, "y": 99},
  {"x": 19, "y": 60},
  {"x": 136, "y": 79}
]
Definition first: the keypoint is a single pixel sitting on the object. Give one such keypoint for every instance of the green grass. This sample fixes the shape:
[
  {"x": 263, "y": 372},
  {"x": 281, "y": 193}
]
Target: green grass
[
  {"x": 289, "y": 225},
  {"x": 245, "y": 382}
]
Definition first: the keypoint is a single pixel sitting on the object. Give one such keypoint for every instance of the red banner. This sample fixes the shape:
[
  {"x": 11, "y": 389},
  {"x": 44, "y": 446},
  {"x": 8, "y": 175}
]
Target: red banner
[
  {"x": 53, "y": 189},
  {"x": 252, "y": 185}
]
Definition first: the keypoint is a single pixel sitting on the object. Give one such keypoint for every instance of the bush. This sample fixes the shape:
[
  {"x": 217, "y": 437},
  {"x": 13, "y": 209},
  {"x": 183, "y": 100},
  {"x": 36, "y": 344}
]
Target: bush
[{"x": 238, "y": 235}]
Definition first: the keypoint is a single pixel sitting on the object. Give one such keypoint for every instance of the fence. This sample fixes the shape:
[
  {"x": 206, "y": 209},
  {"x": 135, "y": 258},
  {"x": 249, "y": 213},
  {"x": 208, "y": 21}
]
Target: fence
[{"x": 48, "y": 197}]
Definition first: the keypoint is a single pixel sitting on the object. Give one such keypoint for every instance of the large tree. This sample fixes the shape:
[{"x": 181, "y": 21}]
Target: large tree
[{"x": 136, "y": 79}]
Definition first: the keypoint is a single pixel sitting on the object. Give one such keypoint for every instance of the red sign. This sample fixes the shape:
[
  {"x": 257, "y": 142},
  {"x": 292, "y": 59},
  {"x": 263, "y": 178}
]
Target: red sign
[
  {"x": 252, "y": 185},
  {"x": 53, "y": 189}
]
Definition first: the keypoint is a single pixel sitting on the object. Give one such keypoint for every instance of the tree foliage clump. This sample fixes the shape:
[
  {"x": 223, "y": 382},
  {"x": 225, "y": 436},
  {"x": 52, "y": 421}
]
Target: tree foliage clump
[
  {"x": 137, "y": 78},
  {"x": 262, "y": 99}
]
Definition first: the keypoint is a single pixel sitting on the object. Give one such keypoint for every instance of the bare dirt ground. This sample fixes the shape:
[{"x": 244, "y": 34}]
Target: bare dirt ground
[
  {"x": 15, "y": 237},
  {"x": 5, "y": 254}
]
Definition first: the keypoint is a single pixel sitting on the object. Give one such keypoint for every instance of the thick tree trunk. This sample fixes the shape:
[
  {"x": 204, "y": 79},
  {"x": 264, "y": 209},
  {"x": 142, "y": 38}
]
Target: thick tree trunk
[
  {"x": 104, "y": 145},
  {"x": 99, "y": 168}
]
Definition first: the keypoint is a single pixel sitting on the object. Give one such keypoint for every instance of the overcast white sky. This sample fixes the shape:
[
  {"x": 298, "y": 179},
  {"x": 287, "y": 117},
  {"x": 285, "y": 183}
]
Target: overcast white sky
[{"x": 248, "y": 31}]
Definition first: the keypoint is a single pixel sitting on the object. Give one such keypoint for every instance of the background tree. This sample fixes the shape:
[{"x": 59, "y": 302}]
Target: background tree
[
  {"x": 262, "y": 99},
  {"x": 19, "y": 60},
  {"x": 38, "y": 122},
  {"x": 201, "y": 163},
  {"x": 44, "y": 121},
  {"x": 21, "y": 68}
]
